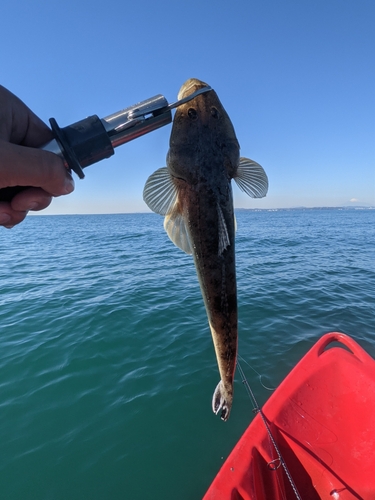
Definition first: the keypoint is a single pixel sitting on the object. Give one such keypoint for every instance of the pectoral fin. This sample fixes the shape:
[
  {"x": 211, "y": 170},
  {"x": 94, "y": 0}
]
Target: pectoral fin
[
  {"x": 160, "y": 193},
  {"x": 251, "y": 178},
  {"x": 176, "y": 229}
]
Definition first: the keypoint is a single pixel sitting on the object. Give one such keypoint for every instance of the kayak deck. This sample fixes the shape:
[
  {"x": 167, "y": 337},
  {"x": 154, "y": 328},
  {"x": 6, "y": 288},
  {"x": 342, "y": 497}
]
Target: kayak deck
[{"x": 322, "y": 417}]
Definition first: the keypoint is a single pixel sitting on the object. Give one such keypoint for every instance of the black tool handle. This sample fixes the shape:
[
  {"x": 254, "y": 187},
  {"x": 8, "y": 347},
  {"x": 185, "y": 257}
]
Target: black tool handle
[{"x": 81, "y": 144}]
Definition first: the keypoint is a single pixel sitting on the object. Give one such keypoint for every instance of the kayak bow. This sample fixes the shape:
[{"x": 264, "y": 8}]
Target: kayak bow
[{"x": 322, "y": 417}]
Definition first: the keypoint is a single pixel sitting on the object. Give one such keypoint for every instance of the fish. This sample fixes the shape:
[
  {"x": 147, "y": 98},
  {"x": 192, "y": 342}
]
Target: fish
[{"x": 194, "y": 194}]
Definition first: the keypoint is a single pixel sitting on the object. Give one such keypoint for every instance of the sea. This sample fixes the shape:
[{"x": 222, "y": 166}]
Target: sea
[{"x": 107, "y": 366}]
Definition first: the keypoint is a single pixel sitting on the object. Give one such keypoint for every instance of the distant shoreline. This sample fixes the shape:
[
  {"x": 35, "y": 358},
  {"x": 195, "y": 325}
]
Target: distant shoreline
[{"x": 346, "y": 208}]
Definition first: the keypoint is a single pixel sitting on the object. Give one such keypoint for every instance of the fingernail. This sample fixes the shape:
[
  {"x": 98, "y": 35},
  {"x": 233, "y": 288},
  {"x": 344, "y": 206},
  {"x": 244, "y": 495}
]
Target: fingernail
[
  {"x": 69, "y": 185},
  {"x": 32, "y": 206},
  {"x": 4, "y": 218}
]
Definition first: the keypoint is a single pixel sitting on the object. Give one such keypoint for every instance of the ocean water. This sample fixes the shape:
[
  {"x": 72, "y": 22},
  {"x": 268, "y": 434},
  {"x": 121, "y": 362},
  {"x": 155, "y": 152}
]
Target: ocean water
[{"x": 107, "y": 367}]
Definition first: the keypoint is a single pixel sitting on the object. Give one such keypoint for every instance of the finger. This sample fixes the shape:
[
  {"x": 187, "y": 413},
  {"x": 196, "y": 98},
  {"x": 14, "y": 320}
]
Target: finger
[
  {"x": 37, "y": 133},
  {"x": 18, "y": 124},
  {"x": 23, "y": 166},
  {"x": 10, "y": 217},
  {"x": 31, "y": 199}
]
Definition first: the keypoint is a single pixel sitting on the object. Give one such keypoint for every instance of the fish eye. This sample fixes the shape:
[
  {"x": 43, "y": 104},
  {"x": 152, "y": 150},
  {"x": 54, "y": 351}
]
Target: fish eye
[
  {"x": 192, "y": 113},
  {"x": 215, "y": 113}
]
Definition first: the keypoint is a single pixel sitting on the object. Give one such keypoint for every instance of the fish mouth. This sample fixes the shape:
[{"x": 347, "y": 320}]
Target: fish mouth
[{"x": 190, "y": 86}]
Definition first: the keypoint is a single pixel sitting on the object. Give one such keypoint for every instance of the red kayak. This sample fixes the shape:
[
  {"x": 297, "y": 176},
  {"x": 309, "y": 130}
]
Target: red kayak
[{"x": 322, "y": 419}]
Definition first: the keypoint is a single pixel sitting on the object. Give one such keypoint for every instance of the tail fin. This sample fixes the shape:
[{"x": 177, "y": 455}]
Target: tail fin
[{"x": 221, "y": 401}]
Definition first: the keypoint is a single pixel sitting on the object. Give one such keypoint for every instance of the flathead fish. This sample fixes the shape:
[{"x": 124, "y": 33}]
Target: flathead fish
[{"x": 194, "y": 194}]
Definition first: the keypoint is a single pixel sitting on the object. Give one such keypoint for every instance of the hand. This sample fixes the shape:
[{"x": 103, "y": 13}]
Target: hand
[{"x": 22, "y": 164}]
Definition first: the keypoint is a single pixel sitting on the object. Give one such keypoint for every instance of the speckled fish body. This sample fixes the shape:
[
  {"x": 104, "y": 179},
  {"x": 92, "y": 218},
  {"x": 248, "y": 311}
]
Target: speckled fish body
[{"x": 195, "y": 195}]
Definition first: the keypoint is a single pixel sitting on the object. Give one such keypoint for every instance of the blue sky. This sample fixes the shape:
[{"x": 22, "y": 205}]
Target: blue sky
[{"x": 296, "y": 77}]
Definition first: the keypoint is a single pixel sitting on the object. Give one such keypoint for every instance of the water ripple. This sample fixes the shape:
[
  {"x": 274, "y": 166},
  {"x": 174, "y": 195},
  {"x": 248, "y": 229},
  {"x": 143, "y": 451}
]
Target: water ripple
[{"x": 107, "y": 367}]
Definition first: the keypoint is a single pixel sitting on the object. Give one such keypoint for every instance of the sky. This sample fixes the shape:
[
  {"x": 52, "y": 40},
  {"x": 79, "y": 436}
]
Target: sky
[{"x": 297, "y": 78}]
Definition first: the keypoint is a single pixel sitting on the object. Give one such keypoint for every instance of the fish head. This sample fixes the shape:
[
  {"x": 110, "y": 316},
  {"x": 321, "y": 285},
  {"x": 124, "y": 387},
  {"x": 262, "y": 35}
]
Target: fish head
[
  {"x": 201, "y": 129},
  {"x": 189, "y": 87}
]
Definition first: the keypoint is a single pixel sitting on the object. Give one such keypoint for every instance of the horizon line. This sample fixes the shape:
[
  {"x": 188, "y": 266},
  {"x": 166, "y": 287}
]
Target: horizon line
[{"x": 322, "y": 207}]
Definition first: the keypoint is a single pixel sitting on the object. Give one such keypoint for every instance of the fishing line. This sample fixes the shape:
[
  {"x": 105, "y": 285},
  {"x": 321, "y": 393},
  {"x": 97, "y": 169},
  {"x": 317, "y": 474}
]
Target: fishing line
[
  {"x": 274, "y": 464},
  {"x": 260, "y": 375}
]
